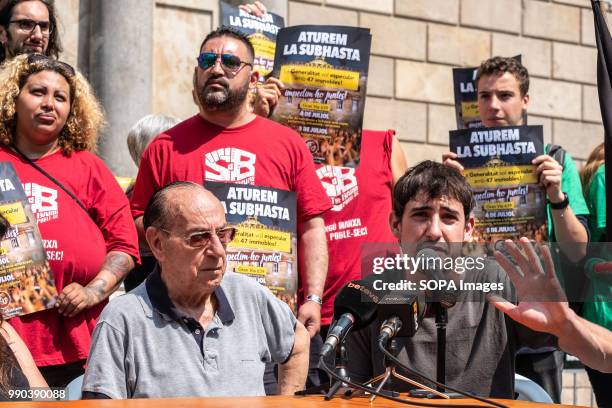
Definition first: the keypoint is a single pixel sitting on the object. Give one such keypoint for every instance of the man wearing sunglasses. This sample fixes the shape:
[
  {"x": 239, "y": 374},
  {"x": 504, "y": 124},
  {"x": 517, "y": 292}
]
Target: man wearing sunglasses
[
  {"x": 226, "y": 142},
  {"x": 189, "y": 330},
  {"x": 27, "y": 27}
]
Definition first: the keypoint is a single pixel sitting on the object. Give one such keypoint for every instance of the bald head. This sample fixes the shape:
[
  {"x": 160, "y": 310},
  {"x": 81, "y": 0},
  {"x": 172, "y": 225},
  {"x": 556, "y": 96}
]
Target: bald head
[
  {"x": 182, "y": 223},
  {"x": 167, "y": 206}
]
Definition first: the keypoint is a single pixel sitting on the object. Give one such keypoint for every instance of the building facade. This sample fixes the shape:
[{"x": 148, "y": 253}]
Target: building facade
[{"x": 140, "y": 56}]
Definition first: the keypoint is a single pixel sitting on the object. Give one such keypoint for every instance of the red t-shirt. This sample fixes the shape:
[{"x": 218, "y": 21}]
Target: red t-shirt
[
  {"x": 361, "y": 201},
  {"x": 262, "y": 153},
  {"x": 76, "y": 245}
]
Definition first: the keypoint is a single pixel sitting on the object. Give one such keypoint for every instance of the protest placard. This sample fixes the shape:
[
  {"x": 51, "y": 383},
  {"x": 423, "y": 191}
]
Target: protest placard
[
  {"x": 265, "y": 245},
  {"x": 26, "y": 282},
  {"x": 510, "y": 201},
  {"x": 324, "y": 69},
  {"x": 261, "y": 31}
]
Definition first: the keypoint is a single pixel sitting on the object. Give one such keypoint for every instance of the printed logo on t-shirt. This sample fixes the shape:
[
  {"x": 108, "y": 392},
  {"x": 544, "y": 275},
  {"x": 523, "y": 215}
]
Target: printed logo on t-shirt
[
  {"x": 52, "y": 250},
  {"x": 340, "y": 185},
  {"x": 43, "y": 201},
  {"x": 230, "y": 165}
]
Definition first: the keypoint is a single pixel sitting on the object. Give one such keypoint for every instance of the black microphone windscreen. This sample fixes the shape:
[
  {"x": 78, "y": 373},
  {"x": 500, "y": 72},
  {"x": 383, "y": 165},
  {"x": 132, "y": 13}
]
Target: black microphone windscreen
[
  {"x": 432, "y": 262},
  {"x": 359, "y": 299},
  {"x": 433, "y": 269}
]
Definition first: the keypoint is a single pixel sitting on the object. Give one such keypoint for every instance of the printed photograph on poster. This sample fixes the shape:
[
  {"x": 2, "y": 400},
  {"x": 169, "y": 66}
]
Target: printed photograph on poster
[
  {"x": 466, "y": 97},
  {"x": 510, "y": 203},
  {"x": 261, "y": 31},
  {"x": 265, "y": 245},
  {"x": 325, "y": 70},
  {"x": 26, "y": 281}
]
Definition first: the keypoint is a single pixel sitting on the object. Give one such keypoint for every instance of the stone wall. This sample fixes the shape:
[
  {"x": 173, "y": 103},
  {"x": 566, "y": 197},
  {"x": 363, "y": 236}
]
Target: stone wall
[
  {"x": 417, "y": 42},
  {"x": 414, "y": 47}
]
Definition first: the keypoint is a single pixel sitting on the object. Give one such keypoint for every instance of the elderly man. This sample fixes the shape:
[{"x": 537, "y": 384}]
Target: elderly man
[
  {"x": 28, "y": 26},
  {"x": 188, "y": 330}
]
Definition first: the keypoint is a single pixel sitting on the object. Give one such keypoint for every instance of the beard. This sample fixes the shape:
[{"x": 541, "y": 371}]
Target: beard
[
  {"x": 224, "y": 98},
  {"x": 13, "y": 49}
]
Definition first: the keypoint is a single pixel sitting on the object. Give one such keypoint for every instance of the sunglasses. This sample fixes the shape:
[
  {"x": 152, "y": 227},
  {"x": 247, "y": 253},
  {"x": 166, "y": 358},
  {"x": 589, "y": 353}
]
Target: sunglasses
[
  {"x": 27, "y": 25},
  {"x": 43, "y": 59},
  {"x": 229, "y": 62},
  {"x": 202, "y": 239}
]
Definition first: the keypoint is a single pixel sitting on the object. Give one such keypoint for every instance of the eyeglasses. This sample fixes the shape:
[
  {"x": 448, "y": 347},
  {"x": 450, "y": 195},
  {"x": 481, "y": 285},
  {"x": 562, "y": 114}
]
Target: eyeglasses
[
  {"x": 229, "y": 62},
  {"x": 202, "y": 239},
  {"x": 26, "y": 25},
  {"x": 43, "y": 59}
]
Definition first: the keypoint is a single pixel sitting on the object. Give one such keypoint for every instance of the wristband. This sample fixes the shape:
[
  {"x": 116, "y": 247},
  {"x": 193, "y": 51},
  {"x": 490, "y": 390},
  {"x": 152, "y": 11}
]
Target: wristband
[
  {"x": 314, "y": 298},
  {"x": 561, "y": 205}
]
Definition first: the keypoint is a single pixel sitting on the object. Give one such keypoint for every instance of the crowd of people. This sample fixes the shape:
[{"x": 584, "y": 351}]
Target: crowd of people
[
  {"x": 187, "y": 328},
  {"x": 35, "y": 292}
]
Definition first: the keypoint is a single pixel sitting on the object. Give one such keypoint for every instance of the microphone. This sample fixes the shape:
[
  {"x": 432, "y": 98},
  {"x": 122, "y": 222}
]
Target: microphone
[
  {"x": 355, "y": 312},
  {"x": 401, "y": 313},
  {"x": 433, "y": 270}
]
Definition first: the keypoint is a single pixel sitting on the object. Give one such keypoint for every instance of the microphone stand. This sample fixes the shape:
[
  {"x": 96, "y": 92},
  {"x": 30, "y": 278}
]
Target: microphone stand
[
  {"x": 341, "y": 362},
  {"x": 331, "y": 390},
  {"x": 441, "y": 322},
  {"x": 337, "y": 386},
  {"x": 441, "y": 316},
  {"x": 390, "y": 371}
]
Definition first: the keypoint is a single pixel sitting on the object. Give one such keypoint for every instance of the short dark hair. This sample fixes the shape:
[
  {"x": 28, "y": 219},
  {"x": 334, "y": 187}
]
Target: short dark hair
[
  {"x": 225, "y": 31},
  {"x": 54, "y": 46},
  {"x": 158, "y": 213},
  {"x": 501, "y": 65},
  {"x": 435, "y": 180}
]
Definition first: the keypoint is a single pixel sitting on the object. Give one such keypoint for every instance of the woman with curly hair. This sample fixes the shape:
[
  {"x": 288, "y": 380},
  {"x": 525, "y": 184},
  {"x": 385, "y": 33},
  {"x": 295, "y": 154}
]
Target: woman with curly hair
[{"x": 49, "y": 123}]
